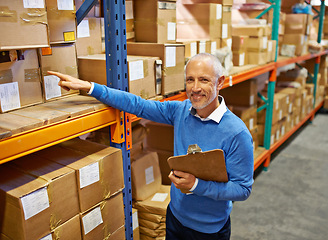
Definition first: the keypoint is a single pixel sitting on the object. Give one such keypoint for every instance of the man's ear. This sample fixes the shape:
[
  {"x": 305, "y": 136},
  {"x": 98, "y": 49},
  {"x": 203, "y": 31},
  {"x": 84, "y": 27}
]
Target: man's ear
[{"x": 220, "y": 82}]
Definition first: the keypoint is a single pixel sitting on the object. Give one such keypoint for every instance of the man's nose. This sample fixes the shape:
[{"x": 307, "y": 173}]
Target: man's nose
[{"x": 196, "y": 87}]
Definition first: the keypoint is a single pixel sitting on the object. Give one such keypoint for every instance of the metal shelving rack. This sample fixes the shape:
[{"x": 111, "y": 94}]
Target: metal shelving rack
[{"x": 120, "y": 123}]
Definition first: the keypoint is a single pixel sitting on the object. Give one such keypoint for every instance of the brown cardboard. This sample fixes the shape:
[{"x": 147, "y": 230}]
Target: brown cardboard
[
  {"x": 155, "y": 21},
  {"x": 62, "y": 186},
  {"x": 190, "y": 48},
  {"x": 238, "y": 58},
  {"x": 20, "y": 221},
  {"x": 239, "y": 43},
  {"x": 105, "y": 162},
  {"x": 227, "y": 42},
  {"x": 298, "y": 40},
  {"x": 141, "y": 72},
  {"x": 226, "y": 31},
  {"x": 145, "y": 176},
  {"x": 62, "y": 23},
  {"x": 242, "y": 94},
  {"x": 111, "y": 211},
  {"x": 130, "y": 35},
  {"x": 298, "y": 24},
  {"x": 199, "y": 21},
  {"x": 163, "y": 165},
  {"x": 250, "y": 30},
  {"x": 257, "y": 58},
  {"x": 23, "y": 27},
  {"x": 155, "y": 207},
  {"x": 279, "y": 111},
  {"x": 223, "y": 2},
  {"x": 119, "y": 234},
  {"x": 172, "y": 56},
  {"x": 204, "y": 46},
  {"x": 89, "y": 44},
  {"x": 160, "y": 136},
  {"x": 62, "y": 59},
  {"x": 70, "y": 229},
  {"x": 152, "y": 217},
  {"x": 135, "y": 224},
  {"x": 247, "y": 114},
  {"x": 257, "y": 43},
  {"x": 151, "y": 225},
  {"x": 26, "y": 74}
]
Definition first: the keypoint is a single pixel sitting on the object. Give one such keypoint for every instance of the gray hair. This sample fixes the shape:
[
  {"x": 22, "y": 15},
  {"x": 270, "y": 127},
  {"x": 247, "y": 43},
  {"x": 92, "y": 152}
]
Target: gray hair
[{"x": 217, "y": 66}]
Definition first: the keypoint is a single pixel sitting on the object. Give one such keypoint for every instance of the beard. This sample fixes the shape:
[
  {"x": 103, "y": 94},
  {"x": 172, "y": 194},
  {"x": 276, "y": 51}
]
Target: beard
[{"x": 203, "y": 104}]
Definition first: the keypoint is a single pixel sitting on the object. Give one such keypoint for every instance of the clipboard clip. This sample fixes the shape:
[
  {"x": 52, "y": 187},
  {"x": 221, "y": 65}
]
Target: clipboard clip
[{"x": 193, "y": 148}]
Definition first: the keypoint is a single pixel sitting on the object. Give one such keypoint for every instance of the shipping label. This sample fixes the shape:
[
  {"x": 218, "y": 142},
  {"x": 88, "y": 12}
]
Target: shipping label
[
  {"x": 35, "y": 202},
  {"x": 51, "y": 88},
  {"x": 89, "y": 174},
  {"x": 159, "y": 197},
  {"x": 9, "y": 96},
  {"x": 136, "y": 70},
  {"x": 149, "y": 174},
  {"x": 170, "y": 56},
  {"x": 92, "y": 220}
]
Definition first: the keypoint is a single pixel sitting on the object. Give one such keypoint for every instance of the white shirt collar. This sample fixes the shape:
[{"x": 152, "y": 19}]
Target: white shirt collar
[{"x": 216, "y": 115}]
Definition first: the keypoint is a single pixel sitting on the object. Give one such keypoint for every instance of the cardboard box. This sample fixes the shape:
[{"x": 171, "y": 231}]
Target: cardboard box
[
  {"x": 91, "y": 13},
  {"x": 24, "y": 24},
  {"x": 223, "y": 2},
  {"x": 135, "y": 224},
  {"x": 257, "y": 58},
  {"x": 119, "y": 234},
  {"x": 239, "y": 43},
  {"x": 62, "y": 21},
  {"x": 142, "y": 75},
  {"x": 247, "y": 114},
  {"x": 204, "y": 46},
  {"x": 257, "y": 43},
  {"x": 172, "y": 56},
  {"x": 26, "y": 208},
  {"x": 241, "y": 94},
  {"x": 70, "y": 229},
  {"x": 103, "y": 219},
  {"x": 238, "y": 58},
  {"x": 60, "y": 58},
  {"x": 61, "y": 186},
  {"x": 199, "y": 21},
  {"x": 226, "y": 43},
  {"x": 298, "y": 40},
  {"x": 20, "y": 82},
  {"x": 145, "y": 176},
  {"x": 155, "y": 204},
  {"x": 254, "y": 133},
  {"x": 272, "y": 48},
  {"x": 190, "y": 48},
  {"x": 98, "y": 169},
  {"x": 298, "y": 24},
  {"x": 155, "y": 21},
  {"x": 130, "y": 34},
  {"x": 89, "y": 39},
  {"x": 310, "y": 88},
  {"x": 250, "y": 30},
  {"x": 160, "y": 136},
  {"x": 163, "y": 165}
]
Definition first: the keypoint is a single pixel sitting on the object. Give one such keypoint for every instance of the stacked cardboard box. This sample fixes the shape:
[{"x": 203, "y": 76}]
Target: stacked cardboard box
[
  {"x": 297, "y": 29},
  {"x": 241, "y": 100},
  {"x": 256, "y": 44},
  {"x": 172, "y": 56},
  {"x": 239, "y": 47},
  {"x": 99, "y": 175},
  {"x": 135, "y": 224}
]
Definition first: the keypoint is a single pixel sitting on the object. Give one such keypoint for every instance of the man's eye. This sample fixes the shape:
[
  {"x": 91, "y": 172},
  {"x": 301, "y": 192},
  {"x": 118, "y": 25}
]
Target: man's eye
[
  {"x": 189, "y": 79},
  {"x": 204, "y": 80}
]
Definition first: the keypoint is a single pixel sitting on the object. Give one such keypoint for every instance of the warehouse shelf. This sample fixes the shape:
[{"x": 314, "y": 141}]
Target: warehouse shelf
[
  {"x": 310, "y": 116},
  {"x": 283, "y": 61},
  {"x": 48, "y": 135}
]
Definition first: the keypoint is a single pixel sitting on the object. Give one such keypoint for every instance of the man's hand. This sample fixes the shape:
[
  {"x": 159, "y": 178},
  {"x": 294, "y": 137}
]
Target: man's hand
[
  {"x": 68, "y": 82},
  {"x": 182, "y": 180}
]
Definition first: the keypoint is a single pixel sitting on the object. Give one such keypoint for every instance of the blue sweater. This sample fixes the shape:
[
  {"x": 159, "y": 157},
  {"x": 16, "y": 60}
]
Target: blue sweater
[{"x": 208, "y": 208}]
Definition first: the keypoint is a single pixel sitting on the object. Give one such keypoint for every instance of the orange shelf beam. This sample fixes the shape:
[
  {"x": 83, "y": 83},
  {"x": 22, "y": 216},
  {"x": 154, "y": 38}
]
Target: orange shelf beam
[
  {"x": 284, "y": 62},
  {"x": 294, "y": 129},
  {"x": 263, "y": 157},
  {"x": 39, "y": 138}
]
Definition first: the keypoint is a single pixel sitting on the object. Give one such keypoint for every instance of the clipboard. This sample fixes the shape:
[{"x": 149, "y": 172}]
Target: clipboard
[{"x": 209, "y": 165}]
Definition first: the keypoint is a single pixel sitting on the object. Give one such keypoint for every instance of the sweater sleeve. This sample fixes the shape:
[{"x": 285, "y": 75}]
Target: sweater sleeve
[
  {"x": 162, "y": 112},
  {"x": 240, "y": 167}
]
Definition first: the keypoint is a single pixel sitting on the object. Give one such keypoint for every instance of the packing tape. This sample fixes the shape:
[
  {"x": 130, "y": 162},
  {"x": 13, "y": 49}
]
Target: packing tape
[
  {"x": 71, "y": 70},
  {"x": 34, "y": 16},
  {"x": 54, "y": 221},
  {"x": 62, "y": 13},
  {"x": 107, "y": 237},
  {"x": 7, "y": 15},
  {"x": 6, "y": 76},
  {"x": 44, "y": 71},
  {"x": 167, "y": 5},
  {"x": 92, "y": 23},
  {"x": 56, "y": 234},
  {"x": 90, "y": 50},
  {"x": 102, "y": 205},
  {"x": 145, "y": 68},
  {"x": 32, "y": 75},
  {"x": 173, "y": 70},
  {"x": 144, "y": 94}
]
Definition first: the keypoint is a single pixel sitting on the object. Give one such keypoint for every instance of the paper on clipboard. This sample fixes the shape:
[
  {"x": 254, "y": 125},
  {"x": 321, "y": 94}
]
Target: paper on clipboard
[{"x": 209, "y": 165}]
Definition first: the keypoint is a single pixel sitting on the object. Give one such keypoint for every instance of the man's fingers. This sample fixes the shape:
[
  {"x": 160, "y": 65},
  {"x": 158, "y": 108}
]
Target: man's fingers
[{"x": 60, "y": 75}]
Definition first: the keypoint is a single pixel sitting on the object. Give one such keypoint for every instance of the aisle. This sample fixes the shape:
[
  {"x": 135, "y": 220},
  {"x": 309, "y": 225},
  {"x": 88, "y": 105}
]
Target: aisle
[{"x": 290, "y": 200}]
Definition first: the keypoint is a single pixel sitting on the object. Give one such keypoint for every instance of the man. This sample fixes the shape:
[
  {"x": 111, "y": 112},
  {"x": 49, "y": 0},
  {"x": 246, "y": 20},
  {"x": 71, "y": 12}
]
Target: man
[{"x": 204, "y": 120}]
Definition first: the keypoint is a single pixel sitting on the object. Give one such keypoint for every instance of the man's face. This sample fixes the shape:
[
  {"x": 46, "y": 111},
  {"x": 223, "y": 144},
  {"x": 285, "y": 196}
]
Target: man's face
[{"x": 201, "y": 85}]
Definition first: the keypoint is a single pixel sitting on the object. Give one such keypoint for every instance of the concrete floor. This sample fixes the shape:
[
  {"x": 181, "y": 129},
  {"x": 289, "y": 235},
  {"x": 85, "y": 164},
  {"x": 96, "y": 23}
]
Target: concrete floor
[{"x": 290, "y": 200}]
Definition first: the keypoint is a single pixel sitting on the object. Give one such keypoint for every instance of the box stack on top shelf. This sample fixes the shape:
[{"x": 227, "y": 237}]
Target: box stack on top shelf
[
  {"x": 37, "y": 45},
  {"x": 68, "y": 191}
]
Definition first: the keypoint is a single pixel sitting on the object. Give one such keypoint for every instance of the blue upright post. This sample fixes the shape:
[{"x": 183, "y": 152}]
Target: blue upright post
[{"x": 117, "y": 77}]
